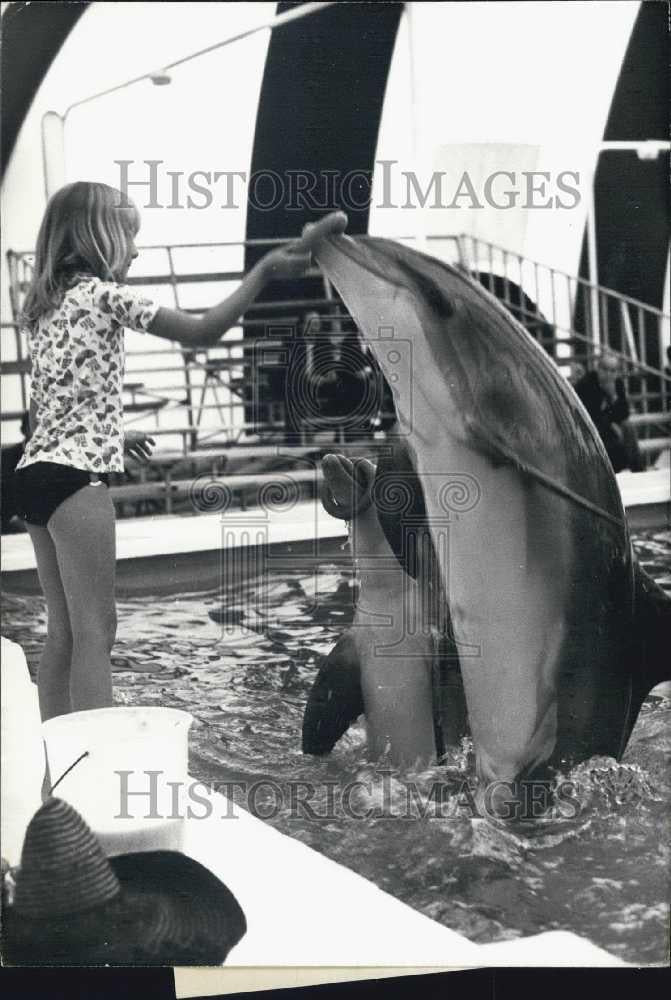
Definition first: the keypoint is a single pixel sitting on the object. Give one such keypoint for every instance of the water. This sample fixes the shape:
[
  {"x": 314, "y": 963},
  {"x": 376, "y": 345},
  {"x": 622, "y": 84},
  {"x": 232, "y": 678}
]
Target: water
[{"x": 243, "y": 665}]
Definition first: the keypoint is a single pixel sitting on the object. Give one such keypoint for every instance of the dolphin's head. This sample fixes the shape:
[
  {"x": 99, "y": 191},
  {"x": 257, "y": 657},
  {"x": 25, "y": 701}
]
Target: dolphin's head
[{"x": 474, "y": 366}]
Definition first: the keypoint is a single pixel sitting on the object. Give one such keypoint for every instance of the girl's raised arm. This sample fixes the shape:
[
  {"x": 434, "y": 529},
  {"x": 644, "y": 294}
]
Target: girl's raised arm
[{"x": 290, "y": 261}]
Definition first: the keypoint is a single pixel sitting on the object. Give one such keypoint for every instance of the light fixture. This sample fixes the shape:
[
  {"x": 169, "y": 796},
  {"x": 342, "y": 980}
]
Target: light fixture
[{"x": 161, "y": 78}]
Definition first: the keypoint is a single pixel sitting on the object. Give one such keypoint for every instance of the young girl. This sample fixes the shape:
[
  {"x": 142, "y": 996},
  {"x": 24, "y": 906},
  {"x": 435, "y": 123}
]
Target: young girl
[{"x": 75, "y": 313}]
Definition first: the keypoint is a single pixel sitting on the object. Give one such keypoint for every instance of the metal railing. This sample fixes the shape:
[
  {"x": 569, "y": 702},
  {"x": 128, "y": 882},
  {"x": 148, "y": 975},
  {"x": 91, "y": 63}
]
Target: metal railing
[
  {"x": 204, "y": 395},
  {"x": 576, "y": 320}
]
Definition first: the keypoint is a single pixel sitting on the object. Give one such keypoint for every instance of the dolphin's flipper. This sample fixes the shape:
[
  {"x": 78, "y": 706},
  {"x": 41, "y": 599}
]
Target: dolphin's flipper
[{"x": 335, "y": 700}]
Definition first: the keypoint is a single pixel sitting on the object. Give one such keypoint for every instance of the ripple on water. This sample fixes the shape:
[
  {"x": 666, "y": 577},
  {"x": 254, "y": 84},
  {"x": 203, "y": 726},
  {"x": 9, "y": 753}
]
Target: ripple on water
[{"x": 242, "y": 662}]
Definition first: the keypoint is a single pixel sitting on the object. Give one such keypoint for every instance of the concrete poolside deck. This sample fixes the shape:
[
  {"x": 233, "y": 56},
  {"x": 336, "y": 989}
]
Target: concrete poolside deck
[
  {"x": 163, "y": 552},
  {"x": 179, "y": 552},
  {"x": 647, "y": 497},
  {"x": 305, "y": 910}
]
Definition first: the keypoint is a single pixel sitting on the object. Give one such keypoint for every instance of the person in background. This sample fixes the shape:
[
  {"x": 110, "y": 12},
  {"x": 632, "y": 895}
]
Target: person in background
[{"x": 602, "y": 392}]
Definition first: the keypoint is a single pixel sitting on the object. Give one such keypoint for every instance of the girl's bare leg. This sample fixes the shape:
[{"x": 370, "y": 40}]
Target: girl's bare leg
[
  {"x": 53, "y": 679},
  {"x": 82, "y": 529}
]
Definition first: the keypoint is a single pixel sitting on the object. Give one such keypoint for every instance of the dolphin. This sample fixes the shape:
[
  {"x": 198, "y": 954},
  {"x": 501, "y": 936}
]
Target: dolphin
[
  {"x": 523, "y": 511},
  {"x": 383, "y": 665}
]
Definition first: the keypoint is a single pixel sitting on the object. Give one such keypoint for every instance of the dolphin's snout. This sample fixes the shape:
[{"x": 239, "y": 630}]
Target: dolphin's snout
[
  {"x": 330, "y": 225},
  {"x": 347, "y": 485}
]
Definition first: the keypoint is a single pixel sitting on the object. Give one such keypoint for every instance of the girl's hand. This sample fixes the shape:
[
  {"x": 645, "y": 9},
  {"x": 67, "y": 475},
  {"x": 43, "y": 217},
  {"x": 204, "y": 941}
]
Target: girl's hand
[
  {"x": 294, "y": 259},
  {"x": 138, "y": 445},
  {"x": 286, "y": 262}
]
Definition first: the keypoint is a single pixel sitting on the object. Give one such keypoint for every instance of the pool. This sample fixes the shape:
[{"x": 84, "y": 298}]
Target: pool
[{"x": 242, "y": 659}]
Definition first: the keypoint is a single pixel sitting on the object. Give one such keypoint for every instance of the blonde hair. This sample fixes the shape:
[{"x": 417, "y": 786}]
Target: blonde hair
[{"x": 85, "y": 229}]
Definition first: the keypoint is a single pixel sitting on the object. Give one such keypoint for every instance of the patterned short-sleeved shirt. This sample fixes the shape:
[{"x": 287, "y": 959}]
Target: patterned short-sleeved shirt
[{"x": 77, "y": 368}]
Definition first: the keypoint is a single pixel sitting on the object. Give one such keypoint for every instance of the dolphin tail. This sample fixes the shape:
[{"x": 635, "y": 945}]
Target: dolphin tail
[{"x": 335, "y": 699}]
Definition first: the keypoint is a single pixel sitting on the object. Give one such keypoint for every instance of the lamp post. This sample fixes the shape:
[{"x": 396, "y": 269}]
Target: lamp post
[
  {"x": 52, "y": 135},
  {"x": 52, "y": 130},
  {"x": 53, "y": 123}
]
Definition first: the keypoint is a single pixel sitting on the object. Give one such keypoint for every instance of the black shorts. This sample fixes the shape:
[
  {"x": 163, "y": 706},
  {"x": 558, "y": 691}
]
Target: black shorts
[{"x": 40, "y": 488}]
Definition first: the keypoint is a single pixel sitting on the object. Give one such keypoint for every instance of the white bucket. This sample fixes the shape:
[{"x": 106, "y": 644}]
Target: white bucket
[
  {"x": 130, "y": 777},
  {"x": 21, "y": 753}
]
